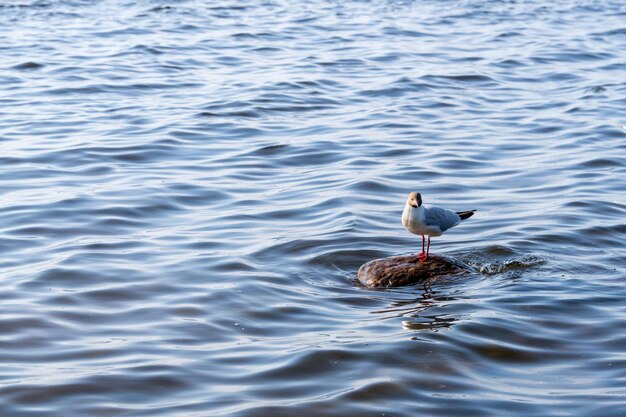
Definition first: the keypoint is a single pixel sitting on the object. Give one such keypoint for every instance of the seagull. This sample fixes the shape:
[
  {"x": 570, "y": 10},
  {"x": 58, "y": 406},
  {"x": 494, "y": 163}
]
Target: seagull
[{"x": 432, "y": 221}]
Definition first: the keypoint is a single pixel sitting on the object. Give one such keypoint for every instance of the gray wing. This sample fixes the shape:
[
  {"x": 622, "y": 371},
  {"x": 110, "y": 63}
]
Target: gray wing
[{"x": 442, "y": 218}]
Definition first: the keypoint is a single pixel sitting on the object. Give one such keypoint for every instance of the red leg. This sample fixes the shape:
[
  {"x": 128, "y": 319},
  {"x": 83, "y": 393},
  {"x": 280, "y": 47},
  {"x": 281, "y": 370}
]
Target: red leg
[
  {"x": 428, "y": 248},
  {"x": 422, "y": 256}
]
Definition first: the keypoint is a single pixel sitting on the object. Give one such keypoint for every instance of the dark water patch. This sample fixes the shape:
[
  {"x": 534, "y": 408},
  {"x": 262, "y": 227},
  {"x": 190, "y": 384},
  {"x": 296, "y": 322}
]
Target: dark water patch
[
  {"x": 613, "y": 32},
  {"x": 509, "y": 34},
  {"x": 605, "y": 163},
  {"x": 395, "y": 90},
  {"x": 118, "y": 223},
  {"x": 543, "y": 129},
  {"x": 235, "y": 104},
  {"x": 343, "y": 63},
  {"x": 394, "y": 31},
  {"x": 371, "y": 187},
  {"x": 116, "y": 295},
  {"x": 128, "y": 31},
  {"x": 310, "y": 157},
  {"x": 267, "y": 36},
  {"x": 150, "y": 50},
  {"x": 41, "y": 231},
  {"x": 390, "y": 57},
  {"x": 270, "y": 150},
  {"x": 597, "y": 89},
  {"x": 243, "y": 113},
  {"x": 9, "y": 244},
  {"x": 62, "y": 276},
  {"x": 164, "y": 8},
  {"x": 617, "y": 66},
  {"x": 198, "y": 197},
  {"x": 271, "y": 101},
  {"x": 130, "y": 89},
  {"x": 576, "y": 56},
  {"x": 608, "y": 208},
  {"x": 29, "y": 65},
  {"x": 294, "y": 108},
  {"x": 23, "y": 325},
  {"x": 598, "y": 233},
  {"x": 309, "y": 86},
  {"x": 457, "y": 164},
  {"x": 234, "y": 266},
  {"x": 87, "y": 171},
  {"x": 462, "y": 78},
  {"x": 119, "y": 387},
  {"x": 508, "y": 63},
  {"x": 362, "y": 163}
]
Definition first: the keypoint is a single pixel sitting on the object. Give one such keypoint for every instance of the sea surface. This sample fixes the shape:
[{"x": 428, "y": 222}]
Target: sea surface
[{"x": 187, "y": 189}]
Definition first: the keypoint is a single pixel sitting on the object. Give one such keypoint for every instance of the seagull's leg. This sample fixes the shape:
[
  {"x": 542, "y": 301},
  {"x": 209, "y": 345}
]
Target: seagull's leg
[
  {"x": 428, "y": 248},
  {"x": 422, "y": 256}
]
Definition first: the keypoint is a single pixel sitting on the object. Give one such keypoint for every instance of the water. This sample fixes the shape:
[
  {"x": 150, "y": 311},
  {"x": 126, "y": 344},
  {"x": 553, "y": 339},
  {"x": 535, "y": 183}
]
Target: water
[{"x": 188, "y": 189}]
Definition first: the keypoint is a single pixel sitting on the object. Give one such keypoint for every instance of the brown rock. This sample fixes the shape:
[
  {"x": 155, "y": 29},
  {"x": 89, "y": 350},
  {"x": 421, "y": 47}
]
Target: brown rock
[{"x": 407, "y": 270}]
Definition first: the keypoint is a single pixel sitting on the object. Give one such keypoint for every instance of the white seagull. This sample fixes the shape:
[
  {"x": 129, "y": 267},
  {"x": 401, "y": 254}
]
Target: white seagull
[{"x": 432, "y": 221}]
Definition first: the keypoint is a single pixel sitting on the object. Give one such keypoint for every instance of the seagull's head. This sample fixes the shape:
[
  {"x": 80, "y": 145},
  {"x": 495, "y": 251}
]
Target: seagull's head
[{"x": 414, "y": 200}]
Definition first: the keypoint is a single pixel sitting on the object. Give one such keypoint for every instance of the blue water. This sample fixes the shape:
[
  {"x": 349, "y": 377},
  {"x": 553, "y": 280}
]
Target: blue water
[{"x": 188, "y": 189}]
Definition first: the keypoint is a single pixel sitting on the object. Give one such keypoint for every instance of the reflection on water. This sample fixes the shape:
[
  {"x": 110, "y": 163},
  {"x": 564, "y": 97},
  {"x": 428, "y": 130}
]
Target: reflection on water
[{"x": 189, "y": 188}]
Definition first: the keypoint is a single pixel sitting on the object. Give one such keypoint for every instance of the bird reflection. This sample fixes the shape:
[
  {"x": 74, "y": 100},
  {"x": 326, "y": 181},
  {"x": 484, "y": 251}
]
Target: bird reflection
[
  {"x": 429, "y": 323},
  {"x": 416, "y": 309}
]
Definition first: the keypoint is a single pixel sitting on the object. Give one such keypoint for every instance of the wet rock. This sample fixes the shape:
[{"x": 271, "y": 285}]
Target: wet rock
[{"x": 396, "y": 271}]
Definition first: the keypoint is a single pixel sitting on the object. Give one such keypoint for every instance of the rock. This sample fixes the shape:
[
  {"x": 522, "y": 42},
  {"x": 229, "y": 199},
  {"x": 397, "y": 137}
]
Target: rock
[{"x": 407, "y": 270}]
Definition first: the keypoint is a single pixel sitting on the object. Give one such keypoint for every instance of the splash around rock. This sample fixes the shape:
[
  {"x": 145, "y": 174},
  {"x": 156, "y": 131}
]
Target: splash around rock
[{"x": 397, "y": 271}]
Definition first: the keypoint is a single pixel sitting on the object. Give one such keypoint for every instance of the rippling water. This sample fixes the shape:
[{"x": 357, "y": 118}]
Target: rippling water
[{"x": 189, "y": 187}]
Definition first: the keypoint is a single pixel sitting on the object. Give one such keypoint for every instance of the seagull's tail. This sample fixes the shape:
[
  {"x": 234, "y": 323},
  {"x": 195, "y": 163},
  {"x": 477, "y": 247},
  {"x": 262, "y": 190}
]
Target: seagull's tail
[{"x": 465, "y": 214}]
